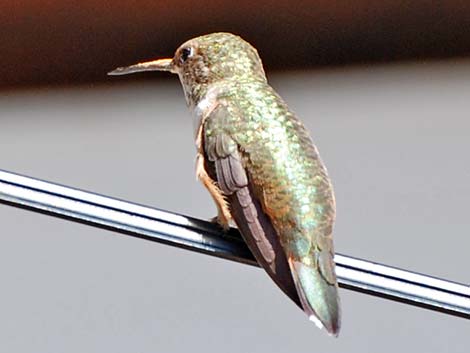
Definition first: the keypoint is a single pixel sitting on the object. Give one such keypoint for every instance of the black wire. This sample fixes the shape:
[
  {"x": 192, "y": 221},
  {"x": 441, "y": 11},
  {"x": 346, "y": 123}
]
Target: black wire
[{"x": 207, "y": 238}]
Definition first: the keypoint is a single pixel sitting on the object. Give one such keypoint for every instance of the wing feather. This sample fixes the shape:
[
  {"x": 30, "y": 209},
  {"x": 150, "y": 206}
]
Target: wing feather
[
  {"x": 266, "y": 208},
  {"x": 225, "y": 163}
]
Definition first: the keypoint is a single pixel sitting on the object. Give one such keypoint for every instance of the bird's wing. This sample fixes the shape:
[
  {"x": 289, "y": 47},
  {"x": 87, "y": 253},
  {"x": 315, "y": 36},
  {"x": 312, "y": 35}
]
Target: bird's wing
[
  {"x": 224, "y": 163},
  {"x": 307, "y": 278}
]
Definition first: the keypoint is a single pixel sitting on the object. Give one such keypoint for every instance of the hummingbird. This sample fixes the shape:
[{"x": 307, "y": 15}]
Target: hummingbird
[{"x": 261, "y": 167}]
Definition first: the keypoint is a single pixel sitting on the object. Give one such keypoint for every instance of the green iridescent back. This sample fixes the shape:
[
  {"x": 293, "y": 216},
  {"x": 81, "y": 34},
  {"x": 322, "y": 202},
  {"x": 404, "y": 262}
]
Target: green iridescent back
[{"x": 284, "y": 165}]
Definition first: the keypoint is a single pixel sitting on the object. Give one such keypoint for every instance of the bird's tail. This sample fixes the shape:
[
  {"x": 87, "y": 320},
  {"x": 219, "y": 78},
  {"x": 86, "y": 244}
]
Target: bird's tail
[{"x": 318, "y": 297}]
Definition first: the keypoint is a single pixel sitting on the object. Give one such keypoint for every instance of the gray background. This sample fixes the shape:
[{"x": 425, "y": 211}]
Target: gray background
[{"x": 395, "y": 140}]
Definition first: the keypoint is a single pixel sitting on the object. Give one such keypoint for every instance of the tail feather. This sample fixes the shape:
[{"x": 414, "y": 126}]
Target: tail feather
[{"x": 319, "y": 298}]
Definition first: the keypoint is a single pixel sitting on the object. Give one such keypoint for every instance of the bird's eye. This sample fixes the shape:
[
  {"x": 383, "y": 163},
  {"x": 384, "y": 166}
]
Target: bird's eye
[{"x": 185, "y": 54}]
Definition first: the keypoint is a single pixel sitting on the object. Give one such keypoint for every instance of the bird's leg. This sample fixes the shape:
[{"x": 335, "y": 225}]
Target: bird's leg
[{"x": 223, "y": 217}]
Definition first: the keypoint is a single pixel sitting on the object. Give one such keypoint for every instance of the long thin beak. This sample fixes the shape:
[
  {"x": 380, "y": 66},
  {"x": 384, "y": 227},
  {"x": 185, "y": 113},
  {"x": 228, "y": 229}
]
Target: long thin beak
[{"x": 155, "y": 65}]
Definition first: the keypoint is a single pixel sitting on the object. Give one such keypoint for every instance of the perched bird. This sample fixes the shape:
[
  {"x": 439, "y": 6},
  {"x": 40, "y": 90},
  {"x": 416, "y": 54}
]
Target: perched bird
[{"x": 259, "y": 163}]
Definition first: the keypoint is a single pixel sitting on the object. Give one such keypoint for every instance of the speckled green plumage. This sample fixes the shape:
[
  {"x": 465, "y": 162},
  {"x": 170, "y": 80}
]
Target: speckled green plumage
[
  {"x": 289, "y": 179},
  {"x": 261, "y": 167},
  {"x": 284, "y": 165}
]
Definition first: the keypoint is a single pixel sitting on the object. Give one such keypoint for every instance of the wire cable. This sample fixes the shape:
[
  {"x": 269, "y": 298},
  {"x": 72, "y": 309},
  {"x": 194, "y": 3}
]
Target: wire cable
[{"x": 204, "y": 237}]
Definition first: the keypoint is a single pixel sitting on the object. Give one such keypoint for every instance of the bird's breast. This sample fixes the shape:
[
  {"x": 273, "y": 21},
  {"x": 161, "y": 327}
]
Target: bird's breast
[{"x": 204, "y": 107}]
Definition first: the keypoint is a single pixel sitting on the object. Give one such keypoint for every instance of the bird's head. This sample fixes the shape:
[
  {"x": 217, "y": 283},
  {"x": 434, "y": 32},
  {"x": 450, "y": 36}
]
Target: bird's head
[{"x": 204, "y": 60}]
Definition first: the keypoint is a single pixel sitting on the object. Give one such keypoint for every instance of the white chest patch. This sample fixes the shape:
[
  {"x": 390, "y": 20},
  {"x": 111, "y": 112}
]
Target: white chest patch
[{"x": 204, "y": 108}]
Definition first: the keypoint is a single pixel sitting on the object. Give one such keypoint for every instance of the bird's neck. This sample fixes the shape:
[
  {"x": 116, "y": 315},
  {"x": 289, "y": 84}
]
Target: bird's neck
[{"x": 195, "y": 93}]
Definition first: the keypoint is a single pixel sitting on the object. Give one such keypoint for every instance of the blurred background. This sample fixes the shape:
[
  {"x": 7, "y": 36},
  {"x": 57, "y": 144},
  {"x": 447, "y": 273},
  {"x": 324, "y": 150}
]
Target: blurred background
[{"x": 384, "y": 88}]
